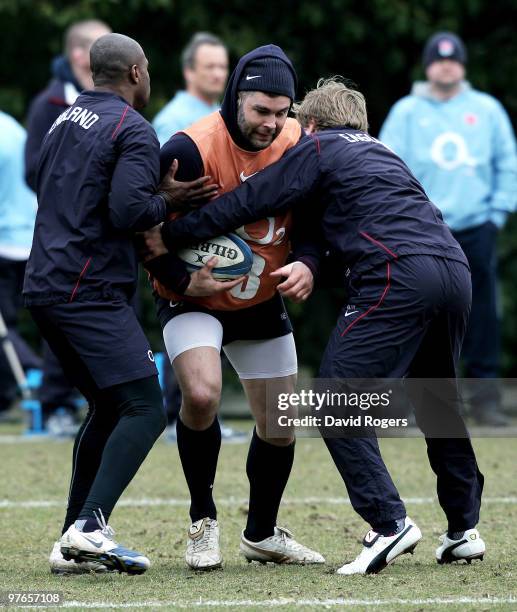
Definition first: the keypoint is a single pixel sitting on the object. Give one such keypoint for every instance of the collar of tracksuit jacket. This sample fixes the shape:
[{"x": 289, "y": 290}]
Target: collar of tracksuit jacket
[{"x": 62, "y": 71}]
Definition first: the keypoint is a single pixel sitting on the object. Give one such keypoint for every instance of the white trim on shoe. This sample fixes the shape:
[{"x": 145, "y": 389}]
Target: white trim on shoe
[
  {"x": 59, "y": 565},
  {"x": 281, "y": 547},
  {"x": 203, "y": 552},
  {"x": 99, "y": 546},
  {"x": 470, "y": 546},
  {"x": 379, "y": 551}
]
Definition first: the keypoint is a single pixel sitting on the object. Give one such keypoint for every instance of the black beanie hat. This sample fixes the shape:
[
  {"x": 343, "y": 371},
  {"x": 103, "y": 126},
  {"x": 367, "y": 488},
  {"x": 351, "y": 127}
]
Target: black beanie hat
[
  {"x": 270, "y": 75},
  {"x": 444, "y": 45}
]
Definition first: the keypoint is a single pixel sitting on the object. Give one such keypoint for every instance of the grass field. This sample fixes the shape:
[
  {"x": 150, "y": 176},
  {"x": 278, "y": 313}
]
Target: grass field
[{"x": 153, "y": 517}]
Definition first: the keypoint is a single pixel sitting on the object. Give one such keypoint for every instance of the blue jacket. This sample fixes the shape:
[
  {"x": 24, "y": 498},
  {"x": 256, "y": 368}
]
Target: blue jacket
[
  {"x": 374, "y": 210},
  {"x": 183, "y": 110},
  {"x": 96, "y": 186},
  {"x": 462, "y": 150},
  {"x": 17, "y": 201}
]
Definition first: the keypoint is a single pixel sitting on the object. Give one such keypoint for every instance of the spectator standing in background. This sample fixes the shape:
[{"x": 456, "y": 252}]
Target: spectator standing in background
[
  {"x": 460, "y": 145},
  {"x": 17, "y": 215},
  {"x": 204, "y": 62},
  {"x": 71, "y": 74}
]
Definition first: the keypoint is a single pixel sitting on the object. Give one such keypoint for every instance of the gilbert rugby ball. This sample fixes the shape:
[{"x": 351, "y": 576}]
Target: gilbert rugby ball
[{"x": 234, "y": 256}]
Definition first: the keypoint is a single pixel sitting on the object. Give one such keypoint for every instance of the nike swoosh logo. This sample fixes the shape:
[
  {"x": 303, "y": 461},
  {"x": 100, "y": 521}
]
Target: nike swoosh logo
[
  {"x": 248, "y": 77},
  {"x": 347, "y": 314},
  {"x": 96, "y": 544},
  {"x": 243, "y": 177}
]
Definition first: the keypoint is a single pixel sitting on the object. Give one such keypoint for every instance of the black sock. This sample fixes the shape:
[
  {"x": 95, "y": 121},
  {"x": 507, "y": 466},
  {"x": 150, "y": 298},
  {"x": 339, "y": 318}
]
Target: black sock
[
  {"x": 199, "y": 451},
  {"x": 455, "y": 535},
  {"x": 141, "y": 420},
  {"x": 88, "y": 448},
  {"x": 87, "y": 525},
  {"x": 268, "y": 468}
]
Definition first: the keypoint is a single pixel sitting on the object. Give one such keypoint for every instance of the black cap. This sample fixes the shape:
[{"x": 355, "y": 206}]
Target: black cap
[
  {"x": 444, "y": 45},
  {"x": 270, "y": 75}
]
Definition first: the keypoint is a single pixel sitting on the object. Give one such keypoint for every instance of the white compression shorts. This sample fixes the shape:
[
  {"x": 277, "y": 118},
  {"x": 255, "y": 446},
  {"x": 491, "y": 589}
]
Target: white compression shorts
[{"x": 270, "y": 358}]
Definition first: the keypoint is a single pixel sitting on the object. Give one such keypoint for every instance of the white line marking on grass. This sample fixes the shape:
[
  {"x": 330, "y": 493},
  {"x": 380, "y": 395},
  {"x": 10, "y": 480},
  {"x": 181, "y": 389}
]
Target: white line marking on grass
[
  {"x": 285, "y": 601},
  {"x": 16, "y": 439},
  {"x": 475, "y": 432},
  {"x": 230, "y": 501}
]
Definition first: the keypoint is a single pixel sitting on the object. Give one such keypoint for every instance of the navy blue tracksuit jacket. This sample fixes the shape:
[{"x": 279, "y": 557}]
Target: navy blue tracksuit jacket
[{"x": 96, "y": 186}]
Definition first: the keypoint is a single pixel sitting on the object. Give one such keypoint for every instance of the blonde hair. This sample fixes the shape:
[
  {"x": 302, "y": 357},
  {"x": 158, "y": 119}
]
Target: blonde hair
[{"x": 333, "y": 104}]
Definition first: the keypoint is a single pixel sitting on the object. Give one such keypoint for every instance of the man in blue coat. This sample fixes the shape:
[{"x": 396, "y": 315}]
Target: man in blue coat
[
  {"x": 409, "y": 298},
  {"x": 17, "y": 214},
  {"x": 204, "y": 63},
  {"x": 459, "y": 143}
]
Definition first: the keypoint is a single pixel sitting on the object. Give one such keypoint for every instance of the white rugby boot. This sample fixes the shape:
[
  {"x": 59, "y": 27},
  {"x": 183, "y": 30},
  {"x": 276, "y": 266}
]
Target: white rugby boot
[
  {"x": 378, "y": 550},
  {"x": 281, "y": 547},
  {"x": 99, "y": 546},
  {"x": 203, "y": 552},
  {"x": 469, "y": 546},
  {"x": 59, "y": 565}
]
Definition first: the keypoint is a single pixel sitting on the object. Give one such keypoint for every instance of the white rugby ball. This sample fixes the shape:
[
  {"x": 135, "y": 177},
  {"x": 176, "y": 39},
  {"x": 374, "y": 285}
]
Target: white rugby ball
[{"x": 233, "y": 253}]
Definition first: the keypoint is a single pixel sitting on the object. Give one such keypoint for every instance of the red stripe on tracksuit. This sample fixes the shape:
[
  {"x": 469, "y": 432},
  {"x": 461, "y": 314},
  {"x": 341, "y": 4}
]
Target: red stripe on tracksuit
[
  {"x": 379, "y": 244},
  {"x": 120, "y": 122},
  {"x": 79, "y": 279}
]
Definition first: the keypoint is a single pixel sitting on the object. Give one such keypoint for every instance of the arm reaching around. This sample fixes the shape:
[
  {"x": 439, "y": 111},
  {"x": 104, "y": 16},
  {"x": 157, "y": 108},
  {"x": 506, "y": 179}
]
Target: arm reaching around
[{"x": 269, "y": 193}]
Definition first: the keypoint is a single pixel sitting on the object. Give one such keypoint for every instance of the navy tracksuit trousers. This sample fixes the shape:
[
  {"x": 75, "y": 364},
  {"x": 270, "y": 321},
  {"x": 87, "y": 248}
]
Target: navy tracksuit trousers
[
  {"x": 409, "y": 318},
  {"x": 481, "y": 348}
]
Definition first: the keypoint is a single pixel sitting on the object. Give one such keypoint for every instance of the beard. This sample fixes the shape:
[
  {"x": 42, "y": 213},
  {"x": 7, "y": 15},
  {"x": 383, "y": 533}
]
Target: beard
[{"x": 256, "y": 140}]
